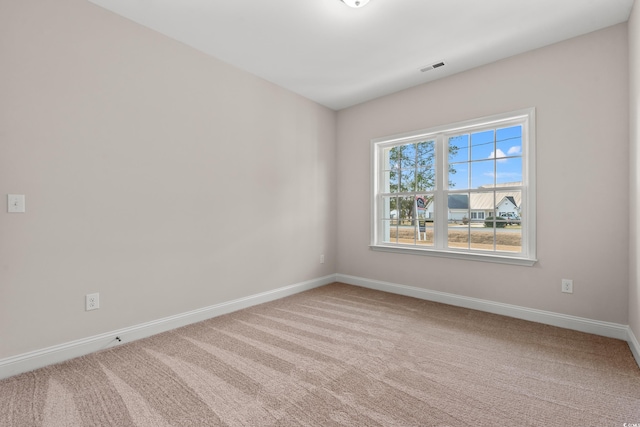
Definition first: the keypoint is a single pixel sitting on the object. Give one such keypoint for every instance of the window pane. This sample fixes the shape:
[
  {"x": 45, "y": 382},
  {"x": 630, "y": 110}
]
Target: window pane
[
  {"x": 422, "y": 203},
  {"x": 482, "y": 145},
  {"x": 509, "y": 164},
  {"x": 400, "y": 157},
  {"x": 389, "y": 232},
  {"x": 507, "y": 232},
  {"x": 429, "y": 207},
  {"x": 459, "y": 176},
  {"x": 480, "y": 203},
  {"x": 425, "y": 205},
  {"x": 407, "y": 181},
  {"x": 482, "y": 173},
  {"x": 509, "y": 171},
  {"x": 425, "y": 154},
  {"x": 406, "y": 207},
  {"x": 407, "y": 234},
  {"x": 407, "y": 156},
  {"x": 394, "y": 181},
  {"x": 482, "y": 238},
  {"x": 404, "y": 229},
  {"x": 509, "y": 141},
  {"x": 508, "y": 204},
  {"x": 509, "y": 239},
  {"x": 425, "y": 179},
  {"x": 458, "y": 207},
  {"x": 458, "y": 216},
  {"x": 458, "y": 149},
  {"x": 458, "y": 236},
  {"x": 425, "y": 232}
]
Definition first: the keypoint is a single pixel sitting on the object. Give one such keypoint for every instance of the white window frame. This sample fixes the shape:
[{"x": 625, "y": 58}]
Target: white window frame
[{"x": 527, "y": 256}]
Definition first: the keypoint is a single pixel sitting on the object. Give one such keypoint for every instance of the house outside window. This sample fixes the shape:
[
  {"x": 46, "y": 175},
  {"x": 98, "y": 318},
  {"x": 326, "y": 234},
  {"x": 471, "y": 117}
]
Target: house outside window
[
  {"x": 477, "y": 215},
  {"x": 465, "y": 190}
]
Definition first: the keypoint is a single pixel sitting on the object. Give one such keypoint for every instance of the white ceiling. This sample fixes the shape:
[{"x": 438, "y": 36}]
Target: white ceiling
[{"x": 339, "y": 56}]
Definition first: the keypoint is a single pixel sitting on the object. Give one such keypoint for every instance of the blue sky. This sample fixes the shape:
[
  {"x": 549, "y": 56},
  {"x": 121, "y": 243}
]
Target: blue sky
[{"x": 484, "y": 155}]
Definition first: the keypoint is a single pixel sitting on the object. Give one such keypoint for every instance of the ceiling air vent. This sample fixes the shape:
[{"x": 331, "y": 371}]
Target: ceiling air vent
[{"x": 432, "y": 67}]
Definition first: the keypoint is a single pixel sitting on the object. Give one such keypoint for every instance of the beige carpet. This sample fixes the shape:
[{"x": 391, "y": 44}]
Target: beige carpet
[{"x": 340, "y": 355}]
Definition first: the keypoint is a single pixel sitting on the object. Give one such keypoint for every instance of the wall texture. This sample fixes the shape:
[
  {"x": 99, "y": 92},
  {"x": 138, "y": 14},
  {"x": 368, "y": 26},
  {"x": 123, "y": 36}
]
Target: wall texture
[
  {"x": 580, "y": 91},
  {"x": 159, "y": 177},
  {"x": 634, "y": 137}
]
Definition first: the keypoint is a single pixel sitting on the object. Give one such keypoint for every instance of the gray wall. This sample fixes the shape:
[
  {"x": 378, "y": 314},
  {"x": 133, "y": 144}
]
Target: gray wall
[
  {"x": 159, "y": 177},
  {"x": 582, "y": 177}
]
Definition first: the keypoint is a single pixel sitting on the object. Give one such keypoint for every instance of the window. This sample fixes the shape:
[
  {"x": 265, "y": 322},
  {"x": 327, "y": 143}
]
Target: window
[{"x": 465, "y": 190}]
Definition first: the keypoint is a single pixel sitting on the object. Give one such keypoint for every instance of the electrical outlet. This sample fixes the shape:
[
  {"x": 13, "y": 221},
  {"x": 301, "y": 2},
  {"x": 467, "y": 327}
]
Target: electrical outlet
[
  {"x": 15, "y": 203},
  {"x": 92, "y": 302},
  {"x": 567, "y": 286},
  {"x": 322, "y": 259}
]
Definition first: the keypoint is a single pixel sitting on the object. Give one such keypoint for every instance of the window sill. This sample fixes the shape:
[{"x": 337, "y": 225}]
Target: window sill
[{"x": 469, "y": 256}]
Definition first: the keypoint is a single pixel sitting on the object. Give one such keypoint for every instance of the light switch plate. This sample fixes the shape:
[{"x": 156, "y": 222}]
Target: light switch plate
[{"x": 15, "y": 203}]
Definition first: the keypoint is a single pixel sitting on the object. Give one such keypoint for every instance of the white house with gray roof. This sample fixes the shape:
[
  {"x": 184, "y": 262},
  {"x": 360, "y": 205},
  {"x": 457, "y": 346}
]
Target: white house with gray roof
[{"x": 477, "y": 205}]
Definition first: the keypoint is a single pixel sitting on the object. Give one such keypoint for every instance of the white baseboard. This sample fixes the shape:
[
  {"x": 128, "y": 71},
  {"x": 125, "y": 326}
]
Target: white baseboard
[
  {"x": 596, "y": 327},
  {"x": 37, "y": 359},
  {"x": 634, "y": 345},
  {"x": 611, "y": 330},
  {"x": 59, "y": 353}
]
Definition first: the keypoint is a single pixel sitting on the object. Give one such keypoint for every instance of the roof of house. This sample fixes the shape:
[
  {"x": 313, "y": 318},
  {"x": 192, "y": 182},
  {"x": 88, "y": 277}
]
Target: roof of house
[
  {"x": 485, "y": 201},
  {"x": 482, "y": 200},
  {"x": 458, "y": 201}
]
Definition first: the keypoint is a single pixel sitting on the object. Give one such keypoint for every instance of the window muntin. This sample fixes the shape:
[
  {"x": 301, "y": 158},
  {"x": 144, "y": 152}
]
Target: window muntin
[{"x": 460, "y": 189}]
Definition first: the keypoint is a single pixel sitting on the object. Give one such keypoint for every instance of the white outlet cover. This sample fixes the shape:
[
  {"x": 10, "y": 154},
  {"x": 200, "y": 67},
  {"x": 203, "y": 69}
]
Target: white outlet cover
[
  {"x": 92, "y": 302},
  {"x": 567, "y": 286},
  {"x": 15, "y": 203}
]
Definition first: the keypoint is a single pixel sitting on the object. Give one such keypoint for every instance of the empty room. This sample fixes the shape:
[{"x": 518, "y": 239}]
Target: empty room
[{"x": 319, "y": 212}]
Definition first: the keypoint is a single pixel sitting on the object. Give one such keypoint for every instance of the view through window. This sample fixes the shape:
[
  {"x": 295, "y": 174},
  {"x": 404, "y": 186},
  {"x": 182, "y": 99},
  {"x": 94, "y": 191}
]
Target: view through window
[{"x": 461, "y": 189}]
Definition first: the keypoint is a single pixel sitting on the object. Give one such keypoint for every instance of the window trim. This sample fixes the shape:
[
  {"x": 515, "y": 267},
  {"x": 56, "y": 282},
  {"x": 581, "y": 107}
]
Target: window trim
[{"x": 528, "y": 255}]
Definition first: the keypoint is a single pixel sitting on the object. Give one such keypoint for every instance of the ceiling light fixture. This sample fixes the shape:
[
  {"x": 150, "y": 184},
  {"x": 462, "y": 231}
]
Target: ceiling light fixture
[{"x": 355, "y": 3}]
